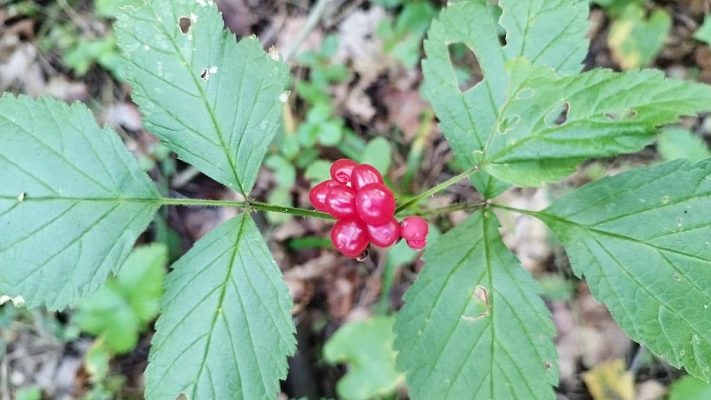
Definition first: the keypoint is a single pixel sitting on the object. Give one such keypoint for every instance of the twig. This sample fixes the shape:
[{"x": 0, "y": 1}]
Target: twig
[{"x": 313, "y": 19}]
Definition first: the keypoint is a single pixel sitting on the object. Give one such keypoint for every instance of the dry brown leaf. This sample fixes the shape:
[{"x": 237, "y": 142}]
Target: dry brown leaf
[
  {"x": 359, "y": 44},
  {"x": 340, "y": 298},
  {"x": 237, "y": 15},
  {"x": 404, "y": 108},
  {"x": 610, "y": 381},
  {"x": 125, "y": 115}
]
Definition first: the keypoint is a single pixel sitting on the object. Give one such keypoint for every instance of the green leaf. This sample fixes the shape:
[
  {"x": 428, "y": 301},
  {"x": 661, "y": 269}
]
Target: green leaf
[
  {"x": 214, "y": 102},
  {"x": 318, "y": 171},
  {"x": 604, "y": 114},
  {"x": 641, "y": 239},
  {"x": 367, "y": 346},
  {"x": 226, "y": 329},
  {"x": 29, "y": 393},
  {"x": 704, "y": 32},
  {"x": 677, "y": 142},
  {"x": 636, "y": 41},
  {"x": 615, "y": 7},
  {"x": 690, "y": 388},
  {"x": 284, "y": 170},
  {"x": 550, "y": 33},
  {"x": 378, "y": 153},
  {"x": 475, "y": 314},
  {"x": 73, "y": 201},
  {"x": 534, "y": 30},
  {"x": 120, "y": 310}
]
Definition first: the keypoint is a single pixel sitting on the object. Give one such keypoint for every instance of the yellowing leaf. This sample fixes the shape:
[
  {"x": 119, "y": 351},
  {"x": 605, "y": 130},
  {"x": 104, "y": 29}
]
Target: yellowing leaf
[
  {"x": 634, "y": 40},
  {"x": 610, "y": 381}
]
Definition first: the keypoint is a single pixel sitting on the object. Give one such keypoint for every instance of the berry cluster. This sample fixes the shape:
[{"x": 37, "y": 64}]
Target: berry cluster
[{"x": 365, "y": 209}]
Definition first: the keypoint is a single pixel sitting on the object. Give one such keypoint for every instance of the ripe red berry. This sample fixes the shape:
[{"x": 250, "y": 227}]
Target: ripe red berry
[
  {"x": 341, "y": 170},
  {"x": 416, "y": 244},
  {"x": 414, "y": 230},
  {"x": 384, "y": 235},
  {"x": 364, "y": 174},
  {"x": 340, "y": 201},
  {"x": 317, "y": 195},
  {"x": 375, "y": 204},
  {"x": 350, "y": 236}
]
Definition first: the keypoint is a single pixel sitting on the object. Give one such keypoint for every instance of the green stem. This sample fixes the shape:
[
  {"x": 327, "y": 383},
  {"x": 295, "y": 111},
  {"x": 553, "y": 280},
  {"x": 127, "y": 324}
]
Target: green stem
[
  {"x": 301, "y": 212},
  {"x": 250, "y": 205},
  {"x": 517, "y": 210},
  {"x": 434, "y": 212},
  {"x": 449, "y": 182}
]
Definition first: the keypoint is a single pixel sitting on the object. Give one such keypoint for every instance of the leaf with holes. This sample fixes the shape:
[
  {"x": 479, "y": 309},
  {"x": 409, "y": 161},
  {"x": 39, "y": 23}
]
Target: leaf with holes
[
  {"x": 226, "y": 329},
  {"x": 213, "y": 101},
  {"x": 73, "y": 201},
  {"x": 549, "y": 124},
  {"x": 641, "y": 239},
  {"x": 533, "y": 31},
  {"x": 473, "y": 325}
]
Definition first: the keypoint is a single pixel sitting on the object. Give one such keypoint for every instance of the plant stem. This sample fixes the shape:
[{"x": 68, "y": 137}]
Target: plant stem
[
  {"x": 314, "y": 16},
  {"x": 301, "y": 212},
  {"x": 247, "y": 205},
  {"x": 449, "y": 182},
  {"x": 434, "y": 212},
  {"x": 517, "y": 210}
]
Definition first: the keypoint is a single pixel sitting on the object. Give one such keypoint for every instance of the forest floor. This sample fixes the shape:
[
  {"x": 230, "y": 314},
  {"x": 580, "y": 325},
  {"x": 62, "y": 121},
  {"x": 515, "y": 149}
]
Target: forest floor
[{"x": 50, "y": 48}]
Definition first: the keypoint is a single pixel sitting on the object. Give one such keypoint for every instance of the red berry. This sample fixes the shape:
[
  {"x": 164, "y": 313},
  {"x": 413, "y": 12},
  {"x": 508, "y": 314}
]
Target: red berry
[
  {"x": 364, "y": 174},
  {"x": 350, "y": 236},
  {"x": 341, "y": 170},
  {"x": 317, "y": 195},
  {"x": 375, "y": 204},
  {"x": 384, "y": 235},
  {"x": 414, "y": 230},
  {"x": 340, "y": 201},
  {"x": 416, "y": 244}
]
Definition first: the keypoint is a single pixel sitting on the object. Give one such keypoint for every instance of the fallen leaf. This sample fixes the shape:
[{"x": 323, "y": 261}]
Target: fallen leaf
[{"x": 610, "y": 381}]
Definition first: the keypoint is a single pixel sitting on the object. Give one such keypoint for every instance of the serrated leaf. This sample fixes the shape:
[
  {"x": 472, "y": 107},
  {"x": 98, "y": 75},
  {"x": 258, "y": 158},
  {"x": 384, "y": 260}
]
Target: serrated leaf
[
  {"x": 641, "y": 239},
  {"x": 73, "y": 200},
  {"x": 214, "y": 102},
  {"x": 367, "y": 346},
  {"x": 534, "y": 31},
  {"x": 604, "y": 114},
  {"x": 226, "y": 329},
  {"x": 636, "y": 40},
  {"x": 550, "y": 33},
  {"x": 473, "y": 325}
]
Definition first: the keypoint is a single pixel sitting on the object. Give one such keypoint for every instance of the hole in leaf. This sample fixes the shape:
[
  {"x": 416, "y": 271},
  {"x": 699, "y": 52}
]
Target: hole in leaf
[
  {"x": 481, "y": 294},
  {"x": 507, "y": 124},
  {"x": 558, "y": 116},
  {"x": 205, "y": 74},
  {"x": 184, "y": 25},
  {"x": 525, "y": 93},
  {"x": 466, "y": 66},
  {"x": 624, "y": 115}
]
